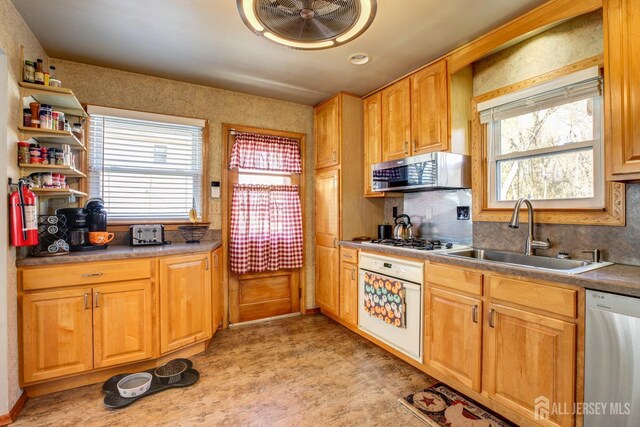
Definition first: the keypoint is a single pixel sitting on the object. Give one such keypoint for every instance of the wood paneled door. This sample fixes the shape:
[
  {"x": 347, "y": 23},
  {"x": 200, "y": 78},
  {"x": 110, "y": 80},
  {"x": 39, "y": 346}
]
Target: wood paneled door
[
  {"x": 56, "y": 334},
  {"x": 372, "y": 139},
  {"x": 265, "y": 294},
  {"x": 529, "y": 355},
  {"x": 430, "y": 109},
  {"x": 396, "y": 120},
  {"x": 453, "y": 335},
  {"x": 122, "y": 323},
  {"x": 185, "y": 301},
  {"x": 327, "y": 133},
  {"x": 349, "y": 293},
  {"x": 622, "y": 102}
]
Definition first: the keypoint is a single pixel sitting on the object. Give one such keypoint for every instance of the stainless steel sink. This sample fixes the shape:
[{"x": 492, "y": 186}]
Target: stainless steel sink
[{"x": 566, "y": 266}]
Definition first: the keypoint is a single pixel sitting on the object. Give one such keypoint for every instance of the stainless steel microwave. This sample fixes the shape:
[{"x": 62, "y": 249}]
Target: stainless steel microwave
[{"x": 432, "y": 171}]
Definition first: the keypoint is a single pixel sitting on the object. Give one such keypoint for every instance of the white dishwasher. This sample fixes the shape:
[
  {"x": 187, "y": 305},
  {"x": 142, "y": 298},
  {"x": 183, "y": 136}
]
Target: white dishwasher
[{"x": 612, "y": 361}]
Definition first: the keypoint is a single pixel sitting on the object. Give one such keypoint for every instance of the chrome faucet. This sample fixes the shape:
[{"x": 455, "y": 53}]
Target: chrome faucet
[{"x": 530, "y": 244}]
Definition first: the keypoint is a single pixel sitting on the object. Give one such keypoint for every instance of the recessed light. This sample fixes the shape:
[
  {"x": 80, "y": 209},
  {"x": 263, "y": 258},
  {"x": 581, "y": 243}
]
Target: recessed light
[
  {"x": 308, "y": 25},
  {"x": 359, "y": 58}
]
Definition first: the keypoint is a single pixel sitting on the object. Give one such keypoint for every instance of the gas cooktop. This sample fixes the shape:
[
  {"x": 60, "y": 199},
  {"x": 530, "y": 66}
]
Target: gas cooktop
[{"x": 415, "y": 244}]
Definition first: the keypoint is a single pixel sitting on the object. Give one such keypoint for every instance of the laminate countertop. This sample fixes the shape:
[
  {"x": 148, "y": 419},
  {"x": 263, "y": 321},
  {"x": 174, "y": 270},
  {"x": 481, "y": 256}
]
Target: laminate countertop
[
  {"x": 617, "y": 278},
  {"x": 117, "y": 252}
]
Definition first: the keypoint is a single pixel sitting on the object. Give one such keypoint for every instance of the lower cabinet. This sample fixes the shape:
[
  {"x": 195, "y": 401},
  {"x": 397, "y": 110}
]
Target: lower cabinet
[
  {"x": 453, "y": 335},
  {"x": 349, "y": 286},
  {"x": 529, "y": 357},
  {"x": 185, "y": 301},
  {"x": 327, "y": 279}
]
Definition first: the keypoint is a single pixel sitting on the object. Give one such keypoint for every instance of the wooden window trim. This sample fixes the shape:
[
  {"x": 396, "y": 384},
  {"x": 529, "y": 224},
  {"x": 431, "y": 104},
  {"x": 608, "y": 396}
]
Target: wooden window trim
[{"x": 614, "y": 211}]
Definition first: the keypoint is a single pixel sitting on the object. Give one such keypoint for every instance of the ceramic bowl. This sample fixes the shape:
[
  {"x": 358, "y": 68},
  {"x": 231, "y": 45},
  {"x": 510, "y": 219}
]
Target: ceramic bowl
[
  {"x": 171, "y": 373},
  {"x": 134, "y": 384}
]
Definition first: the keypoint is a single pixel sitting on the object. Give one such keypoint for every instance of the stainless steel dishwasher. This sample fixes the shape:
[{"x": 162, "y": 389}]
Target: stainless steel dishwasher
[{"x": 612, "y": 361}]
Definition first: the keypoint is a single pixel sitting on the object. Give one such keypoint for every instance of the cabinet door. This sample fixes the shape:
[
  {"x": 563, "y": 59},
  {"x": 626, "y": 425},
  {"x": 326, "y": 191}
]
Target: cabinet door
[
  {"x": 327, "y": 204},
  {"x": 56, "y": 334},
  {"x": 430, "y": 109},
  {"x": 396, "y": 120},
  {"x": 185, "y": 301},
  {"x": 372, "y": 139},
  {"x": 122, "y": 323},
  {"x": 453, "y": 335},
  {"x": 327, "y": 133},
  {"x": 349, "y": 293},
  {"x": 327, "y": 279},
  {"x": 217, "y": 299},
  {"x": 622, "y": 66},
  {"x": 529, "y": 357}
]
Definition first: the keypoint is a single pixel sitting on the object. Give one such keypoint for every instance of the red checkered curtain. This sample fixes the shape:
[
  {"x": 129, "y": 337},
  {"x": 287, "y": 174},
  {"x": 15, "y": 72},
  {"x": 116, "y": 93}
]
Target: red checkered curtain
[
  {"x": 266, "y": 228},
  {"x": 266, "y": 153}
]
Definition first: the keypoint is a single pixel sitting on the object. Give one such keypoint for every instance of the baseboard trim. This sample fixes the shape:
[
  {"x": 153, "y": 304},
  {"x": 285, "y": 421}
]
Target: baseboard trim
[
  {"x": 266, "y": 319},
  {"x": 9, "y": 418},
  {"x": 315, "y": 310}
]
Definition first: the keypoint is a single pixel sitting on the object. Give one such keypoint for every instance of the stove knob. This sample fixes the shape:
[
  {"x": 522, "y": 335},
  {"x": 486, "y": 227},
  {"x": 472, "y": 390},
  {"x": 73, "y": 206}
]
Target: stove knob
[{"x": 449, "y": 245}]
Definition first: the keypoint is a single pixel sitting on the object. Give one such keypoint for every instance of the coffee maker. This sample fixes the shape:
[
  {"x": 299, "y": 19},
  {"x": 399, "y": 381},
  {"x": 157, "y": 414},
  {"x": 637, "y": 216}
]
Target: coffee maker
[{"x": 82, "y": 221}]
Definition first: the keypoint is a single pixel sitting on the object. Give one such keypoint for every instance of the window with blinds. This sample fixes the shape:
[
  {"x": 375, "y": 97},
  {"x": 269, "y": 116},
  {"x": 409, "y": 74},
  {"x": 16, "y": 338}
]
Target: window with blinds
[
  {"x": 145, "y": 166},
  {"x": 545, "y": 143}
]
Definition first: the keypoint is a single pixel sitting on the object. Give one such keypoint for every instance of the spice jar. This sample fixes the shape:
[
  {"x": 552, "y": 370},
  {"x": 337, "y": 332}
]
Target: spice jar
[
  {"x": 34, "y": 153},
  {"x": 52, "y": 155},
  {"x": 26, "y": 117},
  {"x": 38, "y": 76},
  {"x": 35, "y": 114},
  {"x": 28, "y": 71},
  {"x": 23, "y": 152},
  {"x": 60, "y": 120},
  {"x": 59, "y": 158},
  {"x": 44, "y": 154}
]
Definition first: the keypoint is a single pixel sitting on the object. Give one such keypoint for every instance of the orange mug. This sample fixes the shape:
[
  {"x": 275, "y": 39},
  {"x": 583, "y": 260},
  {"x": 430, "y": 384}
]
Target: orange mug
[{"x": 100, "y": 237}]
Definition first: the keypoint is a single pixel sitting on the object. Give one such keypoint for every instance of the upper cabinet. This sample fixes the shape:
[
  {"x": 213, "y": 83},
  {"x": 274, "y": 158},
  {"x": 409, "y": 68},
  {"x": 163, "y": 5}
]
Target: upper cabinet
[
  {"x": 372, "y": 139},
  {"x": 327, "y": 133},
  {"x": 622, "y": 96},
  {"x": 430, "y": 109},
  {"x": 396, "y": 120}
]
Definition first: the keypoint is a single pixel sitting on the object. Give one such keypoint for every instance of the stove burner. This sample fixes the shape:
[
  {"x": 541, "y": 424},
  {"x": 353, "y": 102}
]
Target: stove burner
[{"x": 414, "y": 243}]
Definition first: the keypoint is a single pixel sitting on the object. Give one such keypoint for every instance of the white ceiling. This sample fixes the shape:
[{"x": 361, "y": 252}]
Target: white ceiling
[{"x": 206, "y": 42}]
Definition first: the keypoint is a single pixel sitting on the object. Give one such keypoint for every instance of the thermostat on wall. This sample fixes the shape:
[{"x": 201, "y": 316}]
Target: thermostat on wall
[{"x": 215, "y": 189}]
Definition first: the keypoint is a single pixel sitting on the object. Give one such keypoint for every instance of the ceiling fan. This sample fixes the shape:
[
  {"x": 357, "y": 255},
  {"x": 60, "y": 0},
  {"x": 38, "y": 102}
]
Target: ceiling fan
[{"x": 308, "y": 24}]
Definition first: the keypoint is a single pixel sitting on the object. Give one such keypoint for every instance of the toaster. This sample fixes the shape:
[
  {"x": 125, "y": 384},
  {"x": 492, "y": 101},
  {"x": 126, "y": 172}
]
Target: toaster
[{"x": 146, "y": 234}]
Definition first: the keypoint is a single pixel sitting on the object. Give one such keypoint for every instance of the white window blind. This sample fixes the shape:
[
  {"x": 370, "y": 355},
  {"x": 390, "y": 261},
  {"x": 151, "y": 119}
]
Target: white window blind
[{"x": 145, "y": 166}]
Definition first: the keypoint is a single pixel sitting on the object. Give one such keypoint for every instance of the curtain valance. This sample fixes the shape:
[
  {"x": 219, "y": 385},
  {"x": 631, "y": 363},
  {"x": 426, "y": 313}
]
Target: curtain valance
[{"x": 266, "y": 153}]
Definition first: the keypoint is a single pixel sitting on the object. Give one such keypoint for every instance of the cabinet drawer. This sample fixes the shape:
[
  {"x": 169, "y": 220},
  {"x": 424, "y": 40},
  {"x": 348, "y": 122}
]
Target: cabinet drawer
[
  {"x": 349, "y": 255},
  {"x": 84, "y": 274},
  {"x": 454, "y": 278},
  {"x": 543, "y": 297}
]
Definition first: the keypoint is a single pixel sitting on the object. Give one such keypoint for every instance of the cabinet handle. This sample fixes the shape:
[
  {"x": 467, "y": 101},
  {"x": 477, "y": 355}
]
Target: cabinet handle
[
  {"x": 99, "y": 273},
  {"x": 97, "y": 296},
  {"x": 492, "y": 322},
  {"x": 474, "y": 313},
  {"x": 415, "y": 145},
  {"x": 335, "y": 242},
  {"x": 353, "y": 275},
  {"x": 406, "y": 147},
  {"x": 333, "y": 156},
  {"x": 86, "y": 301},
  {"x": 206, "y": 264}
]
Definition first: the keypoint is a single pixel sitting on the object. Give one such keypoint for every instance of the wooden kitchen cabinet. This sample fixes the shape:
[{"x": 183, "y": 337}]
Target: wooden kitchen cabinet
[
  {"x": 396, "y": 120},
  {"x": 122, "y": 323},
  {"x": 217, "y": 292},
  {"x": 527, "y": 355},
  {"x": 185, "y": 301},
  {"x": 372, "y": 139},
  {"x": 56, "y": 334},
  {"x": 430, "y": 109},
  {"x": 327, "y": 133},
  {"x": 453, "y": 335},
  {"x": 327, "y": 280},
  {"x": 622, "y": 92},
  {"x": 349, "y": 286}
]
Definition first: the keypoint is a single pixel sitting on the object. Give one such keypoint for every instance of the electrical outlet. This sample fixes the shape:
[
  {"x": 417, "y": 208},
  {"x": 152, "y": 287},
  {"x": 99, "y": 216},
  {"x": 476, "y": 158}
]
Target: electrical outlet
[
  {"x": 463, "y": 213},
  {"x": 428, "y": 212}
]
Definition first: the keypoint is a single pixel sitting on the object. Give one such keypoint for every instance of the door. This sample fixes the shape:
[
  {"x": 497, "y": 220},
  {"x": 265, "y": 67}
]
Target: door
[
  {"x": 430, "y": 109},
  {"x": 453, "y": 335},
  {"x": 622, "y": 66},
  {"x": 327, "y": 133},
  {"x": 530, "y": 358},
  {"x": 185, "y": 301},
  {"x": 122, "y": 323},
  {"x": 396, "y": 120},
  {"x": 372, "y": 139},
  {"x": 217, "y": 294},
  {"x": 56, "y": 333},
  {"x": 327, "y": 209},
  {"x": 349, "y": 293},
  {"x": 264, "y": 294}
]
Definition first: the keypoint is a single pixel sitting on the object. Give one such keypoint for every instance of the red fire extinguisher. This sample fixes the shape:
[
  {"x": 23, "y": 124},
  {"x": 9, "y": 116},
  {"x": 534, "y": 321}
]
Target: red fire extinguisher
[{"x": 24, "y": 215}]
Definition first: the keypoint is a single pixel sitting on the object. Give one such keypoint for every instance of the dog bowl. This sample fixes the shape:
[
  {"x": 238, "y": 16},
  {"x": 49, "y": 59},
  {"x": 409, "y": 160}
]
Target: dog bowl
[
  {"x": 171, "y": 373},
  {"x": 134, "y": 384}
]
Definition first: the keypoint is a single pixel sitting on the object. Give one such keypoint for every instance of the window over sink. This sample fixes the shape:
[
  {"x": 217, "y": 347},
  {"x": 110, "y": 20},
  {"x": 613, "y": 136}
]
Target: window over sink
[
  {"x": 146, "y": 167},
  {"x": 545, "y": 142}
]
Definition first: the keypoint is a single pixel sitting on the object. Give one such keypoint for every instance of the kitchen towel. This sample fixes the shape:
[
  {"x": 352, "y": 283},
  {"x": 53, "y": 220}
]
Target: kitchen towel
[{"x": 384, "y": 298}]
